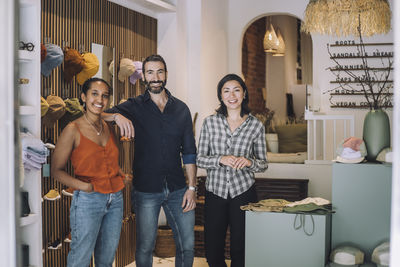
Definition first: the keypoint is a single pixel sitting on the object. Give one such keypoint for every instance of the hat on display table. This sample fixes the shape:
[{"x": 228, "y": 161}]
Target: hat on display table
[
  {"x": 351, "y": 150},
  {"x": 381, "y": 255},
  {"x": 346, "y": 256}
]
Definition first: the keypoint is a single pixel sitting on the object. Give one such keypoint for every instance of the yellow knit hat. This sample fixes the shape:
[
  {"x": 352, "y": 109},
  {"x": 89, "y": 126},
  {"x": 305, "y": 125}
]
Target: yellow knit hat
[{"x": 91, "y": 67}]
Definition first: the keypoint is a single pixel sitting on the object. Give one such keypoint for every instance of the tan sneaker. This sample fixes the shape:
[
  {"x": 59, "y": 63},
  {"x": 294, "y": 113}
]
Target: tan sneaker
[
  {"x": 68, "y": 192},
  {"x": 68, "y": 238},
  {"x": 52, "y": 195}
]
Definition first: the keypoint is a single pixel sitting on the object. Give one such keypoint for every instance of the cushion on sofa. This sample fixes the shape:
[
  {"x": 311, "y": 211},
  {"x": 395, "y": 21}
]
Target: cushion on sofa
[{"x": 292, "y": 138}]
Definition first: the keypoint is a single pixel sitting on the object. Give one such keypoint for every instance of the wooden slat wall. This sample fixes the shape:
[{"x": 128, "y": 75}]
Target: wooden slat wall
[{"x": 78, "y": 24}]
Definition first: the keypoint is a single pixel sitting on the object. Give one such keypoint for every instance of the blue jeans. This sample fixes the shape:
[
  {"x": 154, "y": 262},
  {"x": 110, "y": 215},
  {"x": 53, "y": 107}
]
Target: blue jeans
[
  {"x": 147, "y": 209},
  {"x": 95, "y": 221}
]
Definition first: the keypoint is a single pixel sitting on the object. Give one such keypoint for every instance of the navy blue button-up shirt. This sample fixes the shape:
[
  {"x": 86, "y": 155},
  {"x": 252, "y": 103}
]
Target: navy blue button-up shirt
[{"x": 162, "y": 140}]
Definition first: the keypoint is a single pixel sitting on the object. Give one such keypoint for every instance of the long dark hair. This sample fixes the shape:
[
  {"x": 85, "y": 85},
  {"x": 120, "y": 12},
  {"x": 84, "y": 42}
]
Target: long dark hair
[
  {"x": 86, "y": 86},
  {"x": 245, "y": 103}
]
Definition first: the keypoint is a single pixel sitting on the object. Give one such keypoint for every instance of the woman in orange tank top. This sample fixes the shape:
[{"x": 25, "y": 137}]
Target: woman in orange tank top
[{"x": 97, "y": 205}]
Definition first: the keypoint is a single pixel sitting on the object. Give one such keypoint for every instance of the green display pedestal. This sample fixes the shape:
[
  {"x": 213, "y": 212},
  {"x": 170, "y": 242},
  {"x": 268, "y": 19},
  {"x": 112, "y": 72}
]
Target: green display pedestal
[
  {"x": 272, "y": 240},
  {"x": 361, "y": 197}
]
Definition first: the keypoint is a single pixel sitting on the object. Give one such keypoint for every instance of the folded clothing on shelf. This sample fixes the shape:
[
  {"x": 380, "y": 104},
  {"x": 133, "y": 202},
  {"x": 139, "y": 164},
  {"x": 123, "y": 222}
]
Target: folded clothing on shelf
[{"x": 34, "y": 152}]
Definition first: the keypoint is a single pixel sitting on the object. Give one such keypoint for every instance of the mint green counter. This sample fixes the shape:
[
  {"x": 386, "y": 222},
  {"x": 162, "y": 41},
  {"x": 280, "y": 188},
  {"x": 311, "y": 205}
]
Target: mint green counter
[
  {"x": 361, "y": 196},
  {"x": 272, "y": 241}
]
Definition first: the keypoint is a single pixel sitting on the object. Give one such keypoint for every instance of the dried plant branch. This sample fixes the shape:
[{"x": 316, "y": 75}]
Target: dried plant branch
[{"x": 373, "y": 84}]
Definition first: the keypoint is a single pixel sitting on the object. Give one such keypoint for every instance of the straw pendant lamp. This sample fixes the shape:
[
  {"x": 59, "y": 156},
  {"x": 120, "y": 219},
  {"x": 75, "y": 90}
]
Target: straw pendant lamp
[
  {"x": 342, "y": 17},
  {"x": 280, "y": 50},
  {"x": 270, "y": 39}
]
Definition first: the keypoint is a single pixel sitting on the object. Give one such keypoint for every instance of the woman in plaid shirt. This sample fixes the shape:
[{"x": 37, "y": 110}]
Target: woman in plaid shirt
[{"x": 231, "y": 148}]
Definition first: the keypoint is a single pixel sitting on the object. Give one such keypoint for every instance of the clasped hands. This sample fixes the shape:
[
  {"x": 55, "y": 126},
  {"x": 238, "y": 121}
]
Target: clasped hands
[{"x": 235, "y": 162}]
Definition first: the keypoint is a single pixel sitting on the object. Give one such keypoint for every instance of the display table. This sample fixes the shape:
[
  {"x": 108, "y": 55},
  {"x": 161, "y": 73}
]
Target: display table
[
  {"x": 271, "y": 240},
  {"x": 361, "y": 197}
]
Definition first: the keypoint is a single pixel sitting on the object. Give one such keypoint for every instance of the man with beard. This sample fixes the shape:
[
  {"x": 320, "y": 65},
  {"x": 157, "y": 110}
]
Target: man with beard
[{"x": 162, "y": 127}]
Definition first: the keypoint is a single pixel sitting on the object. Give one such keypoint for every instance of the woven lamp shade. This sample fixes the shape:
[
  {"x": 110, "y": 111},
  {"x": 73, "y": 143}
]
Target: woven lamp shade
[
  {"x": 342, "y": 17},
  {"x": 270, "y": 40},
  {"x": 280, "y": 51}
]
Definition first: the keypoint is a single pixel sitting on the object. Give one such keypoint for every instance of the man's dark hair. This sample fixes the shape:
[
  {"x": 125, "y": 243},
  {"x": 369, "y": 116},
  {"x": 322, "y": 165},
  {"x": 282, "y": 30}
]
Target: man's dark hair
[
  {"x": 245, "y": 103},
  {"x": 153, "y": 58}
]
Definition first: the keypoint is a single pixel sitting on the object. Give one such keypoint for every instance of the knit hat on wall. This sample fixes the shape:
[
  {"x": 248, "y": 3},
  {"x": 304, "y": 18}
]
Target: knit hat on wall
[
  {"x": 73, "y": 111},
  {"x": 54, "y": 58},
  {"x": 44, "y": 106},
  {"x": 126, "y": 69},
  {"x": 138, "y": 72},
  {"x": 90, "y": 68},
  {"x": 73, "y": 63},
  {"x": 43, "y": 52},
  {"x": 56, "y": 110}
]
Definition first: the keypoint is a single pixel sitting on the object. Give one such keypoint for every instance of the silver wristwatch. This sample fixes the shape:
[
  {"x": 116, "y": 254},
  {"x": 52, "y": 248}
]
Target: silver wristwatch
[{"x": 193, "y": 188}]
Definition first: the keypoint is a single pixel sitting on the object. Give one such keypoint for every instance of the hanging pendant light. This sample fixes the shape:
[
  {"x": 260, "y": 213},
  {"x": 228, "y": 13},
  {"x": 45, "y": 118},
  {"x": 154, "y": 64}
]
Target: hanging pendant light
[
  {"x": 280, "y": 51},
  {"x": 270, "y": 39},
  {"x": 342, "y": 17}
]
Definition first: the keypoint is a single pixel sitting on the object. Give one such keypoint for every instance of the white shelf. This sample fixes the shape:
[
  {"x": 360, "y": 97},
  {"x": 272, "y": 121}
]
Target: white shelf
[
  {"x": 162, "y": 6},
  {"x": 25, "y": 56},
  {"x": 27, "y": 3},
  {"x": 30, "y": 227},
  {"x": 27, "y": 110},
  {"x": 30, "y": 219}
]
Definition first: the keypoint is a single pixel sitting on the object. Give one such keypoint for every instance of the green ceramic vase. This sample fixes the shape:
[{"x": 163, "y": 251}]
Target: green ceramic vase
[{"x": 376, "y": 133}]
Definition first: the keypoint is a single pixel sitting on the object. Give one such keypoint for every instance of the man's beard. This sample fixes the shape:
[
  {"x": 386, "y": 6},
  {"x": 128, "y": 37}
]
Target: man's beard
[{"x": 155, "y": 91}]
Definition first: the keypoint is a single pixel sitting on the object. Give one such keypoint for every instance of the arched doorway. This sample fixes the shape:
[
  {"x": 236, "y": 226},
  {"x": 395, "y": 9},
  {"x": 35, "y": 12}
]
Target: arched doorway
[{"x": 277, "y": 82}]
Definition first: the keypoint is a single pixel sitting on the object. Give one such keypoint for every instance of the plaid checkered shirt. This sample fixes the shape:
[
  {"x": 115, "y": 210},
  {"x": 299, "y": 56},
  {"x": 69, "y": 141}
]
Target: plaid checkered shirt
[{"x": 217, "y": 140}]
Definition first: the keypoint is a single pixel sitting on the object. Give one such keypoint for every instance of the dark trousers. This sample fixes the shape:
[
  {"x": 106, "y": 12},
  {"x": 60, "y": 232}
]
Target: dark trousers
[{"x": 219, "y": 213}]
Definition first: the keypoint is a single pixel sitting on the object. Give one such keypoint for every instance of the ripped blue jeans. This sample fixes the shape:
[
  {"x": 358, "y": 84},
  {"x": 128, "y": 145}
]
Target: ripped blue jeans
[{"x": 95, "y": 220}]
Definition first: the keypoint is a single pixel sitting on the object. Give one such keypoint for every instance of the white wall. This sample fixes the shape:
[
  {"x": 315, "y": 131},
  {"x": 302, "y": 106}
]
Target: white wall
[
  {"x": 193, "y": 41},
  {"x": 395, "y": 213},
  {"x": 8, "y": 187}
]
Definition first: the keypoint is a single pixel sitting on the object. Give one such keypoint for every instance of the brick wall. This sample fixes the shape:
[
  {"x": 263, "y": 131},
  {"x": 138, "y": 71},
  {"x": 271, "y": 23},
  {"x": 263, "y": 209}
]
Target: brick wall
[{"x": 253, "y": 63}]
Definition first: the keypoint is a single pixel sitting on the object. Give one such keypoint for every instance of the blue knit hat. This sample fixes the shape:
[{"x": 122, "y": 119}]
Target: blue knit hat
[{"x": 54, "y": 58}]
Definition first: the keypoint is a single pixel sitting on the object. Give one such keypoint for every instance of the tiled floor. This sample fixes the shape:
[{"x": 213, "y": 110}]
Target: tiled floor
[{"x": 170, "y": 262}]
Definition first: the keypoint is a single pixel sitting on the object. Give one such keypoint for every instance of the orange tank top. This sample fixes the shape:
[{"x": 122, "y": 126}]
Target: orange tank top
[{"x": 97, "y": 165}]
